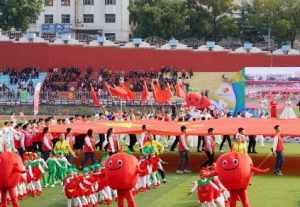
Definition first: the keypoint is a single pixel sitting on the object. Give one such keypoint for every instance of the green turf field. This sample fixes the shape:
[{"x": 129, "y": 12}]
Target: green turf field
[
  {"x": 265, "y": 191},
  {"x": 292, "y": 149}
]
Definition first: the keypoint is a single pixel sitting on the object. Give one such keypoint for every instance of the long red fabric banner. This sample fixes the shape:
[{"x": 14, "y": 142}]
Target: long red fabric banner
[{"x": 226, "y": 126}]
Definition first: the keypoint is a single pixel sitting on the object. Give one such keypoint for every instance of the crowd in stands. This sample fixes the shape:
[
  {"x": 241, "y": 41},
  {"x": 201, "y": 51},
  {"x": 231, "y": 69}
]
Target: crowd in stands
[
  {"x": 24, "y": 75},
  {"x": 6, "y": 92},
  {"x": 22, "y": 79},
  {"x": 79, "y": 81}
]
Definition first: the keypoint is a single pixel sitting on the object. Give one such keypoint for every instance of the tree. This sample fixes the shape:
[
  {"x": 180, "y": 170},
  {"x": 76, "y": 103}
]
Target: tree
[
  {"x": 18, "y": 13},
  {"x": 164, "y": 18},
  {"x": 277, "y": 19},
  {"x": 291, "y": 12},
  {"x": 217, "y": 18},
  {"x": 283, "y": 31}
]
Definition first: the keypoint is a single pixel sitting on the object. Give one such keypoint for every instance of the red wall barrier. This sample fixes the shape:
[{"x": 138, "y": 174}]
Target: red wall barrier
[{"x": 44, "y": 56}]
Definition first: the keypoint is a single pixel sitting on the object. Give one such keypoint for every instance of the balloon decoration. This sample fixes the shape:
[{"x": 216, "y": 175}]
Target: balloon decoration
[{"x": 197, "y": 100}]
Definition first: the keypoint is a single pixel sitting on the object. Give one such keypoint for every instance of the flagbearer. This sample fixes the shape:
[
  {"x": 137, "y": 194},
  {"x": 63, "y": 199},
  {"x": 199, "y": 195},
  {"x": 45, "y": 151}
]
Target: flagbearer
[
  {"x": 209, "y": 147},
  {"x": 278, "y": 148}
]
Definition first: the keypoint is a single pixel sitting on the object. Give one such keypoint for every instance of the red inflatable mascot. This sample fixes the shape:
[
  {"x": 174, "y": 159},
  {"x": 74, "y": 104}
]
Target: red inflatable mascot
[
  {"x": 12, "y": 168},
  {"x": 235, "y": 171},
  {"x": 196, "y": 100},
  {"x": 122, "y": 174}
]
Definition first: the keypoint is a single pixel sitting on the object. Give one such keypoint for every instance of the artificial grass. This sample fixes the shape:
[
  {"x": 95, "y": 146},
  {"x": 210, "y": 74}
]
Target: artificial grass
[{"x": 265, "y": 191}]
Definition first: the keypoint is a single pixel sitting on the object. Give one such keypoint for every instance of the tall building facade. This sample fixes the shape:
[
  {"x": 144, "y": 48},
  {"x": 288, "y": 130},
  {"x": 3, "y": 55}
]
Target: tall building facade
[{"x": 84, "y": 19}]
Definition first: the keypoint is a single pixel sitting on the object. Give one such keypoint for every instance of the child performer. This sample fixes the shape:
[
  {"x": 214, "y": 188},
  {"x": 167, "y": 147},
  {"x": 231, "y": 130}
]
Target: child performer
[
  {"x": 53, "y": 164},
  {"x": 240, "y": 140},
  {"x": 205, "y": 190},
  {"x": 71, "y": 189}
]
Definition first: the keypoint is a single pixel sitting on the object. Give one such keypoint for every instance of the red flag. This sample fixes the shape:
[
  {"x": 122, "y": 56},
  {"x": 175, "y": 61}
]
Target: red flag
[
  {"x": 95, "y": 98},
  {"x": 179, "y": 90},
  {"x": 161, "y": 95},
  {"x": 117, "y": 91},
  {"x": 130, "y": 94},
  {"x": 168, "y": 92},
  {"x": 156, "y": 90},
  {"x": 145, "y": 93}
]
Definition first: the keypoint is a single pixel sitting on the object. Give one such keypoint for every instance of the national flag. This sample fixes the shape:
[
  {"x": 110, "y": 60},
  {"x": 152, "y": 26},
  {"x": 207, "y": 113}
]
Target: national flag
[
  {"x": 145, "y": 93},
  {"x": 130, "y": 94},
  {"x": 95, "y": 98},
  {"x": 179, "y": 90},
  {"x": 117, "y": 91}
]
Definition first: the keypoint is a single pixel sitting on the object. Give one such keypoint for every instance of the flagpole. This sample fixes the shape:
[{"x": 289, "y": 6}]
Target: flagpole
[{"x": 121, "y": 105}]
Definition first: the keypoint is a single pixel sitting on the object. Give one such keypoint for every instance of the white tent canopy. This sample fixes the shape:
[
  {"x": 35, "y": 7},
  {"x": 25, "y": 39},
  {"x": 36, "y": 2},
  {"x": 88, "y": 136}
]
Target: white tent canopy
[
  {"x": 250, "y": 50},
  {"x": 207, "y": 48},
  {"x": 106, "y": 43},
  {"x": 174, "y": 44},
  {"x": 4, "y": 38},
  {"x": 142, "y": 44},
  {"x": 288, "y": 52}
]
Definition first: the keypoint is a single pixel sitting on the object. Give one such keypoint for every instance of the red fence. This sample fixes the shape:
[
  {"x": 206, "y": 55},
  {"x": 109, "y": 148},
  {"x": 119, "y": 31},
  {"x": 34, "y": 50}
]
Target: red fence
[{"x": 19, "y": 55}]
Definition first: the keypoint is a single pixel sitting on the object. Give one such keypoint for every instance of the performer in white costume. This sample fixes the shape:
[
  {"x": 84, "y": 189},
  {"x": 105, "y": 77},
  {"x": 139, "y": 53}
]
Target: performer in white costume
[{"x": 288, "y": 111}]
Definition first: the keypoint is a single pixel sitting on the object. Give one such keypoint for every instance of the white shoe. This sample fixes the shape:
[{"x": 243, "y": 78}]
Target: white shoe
[
  {"x": 179, "y": 172},
  {"x": 187, "y": 171}
]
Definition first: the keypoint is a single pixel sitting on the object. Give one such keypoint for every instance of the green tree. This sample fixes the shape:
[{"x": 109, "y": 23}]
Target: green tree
[
  {"x": 283, "y": 31},
  {"x": 164, "y": 18},
  {"x": 291, "y": 12},
  {"x": 277, "y": 19},
  {"x": 18, "y": 13},
  {"x": 217, "y": 18}
]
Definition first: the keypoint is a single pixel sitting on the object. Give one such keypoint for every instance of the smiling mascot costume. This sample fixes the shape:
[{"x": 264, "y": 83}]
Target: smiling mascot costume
[
  {"x": 122, "y": 175},
  {"x": 235, "y": 171},
  {"x": 11, "y": 169}
]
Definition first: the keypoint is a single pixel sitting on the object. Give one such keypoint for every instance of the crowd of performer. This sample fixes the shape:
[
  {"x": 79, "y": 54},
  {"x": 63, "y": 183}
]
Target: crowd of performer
[{"x": 49, "y": 158}]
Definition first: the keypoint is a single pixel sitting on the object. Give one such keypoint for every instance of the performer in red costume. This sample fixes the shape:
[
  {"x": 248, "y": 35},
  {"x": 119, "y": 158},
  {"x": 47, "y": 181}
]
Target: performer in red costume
[
  {"x": 273, "y": 109},
  {"x": 122, "y": 175},
  {"x": 10, "y": 174},
  {"x": 235, "y": 171}
]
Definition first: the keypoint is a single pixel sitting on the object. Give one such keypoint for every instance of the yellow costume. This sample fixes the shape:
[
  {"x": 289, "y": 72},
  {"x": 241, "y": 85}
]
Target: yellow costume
[
  {"x": 157, "y": 146},
  {"x": 239, "y": 144},
  {"x": 63, "y": 147}
]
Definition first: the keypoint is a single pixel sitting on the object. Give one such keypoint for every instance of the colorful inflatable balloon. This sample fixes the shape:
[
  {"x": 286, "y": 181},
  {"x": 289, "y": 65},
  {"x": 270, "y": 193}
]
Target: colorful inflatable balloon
[{"x": 196, "y": 100}]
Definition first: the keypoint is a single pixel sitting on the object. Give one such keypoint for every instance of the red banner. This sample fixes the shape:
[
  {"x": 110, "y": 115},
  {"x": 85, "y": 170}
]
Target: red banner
[{"x": 226, "y": 126}]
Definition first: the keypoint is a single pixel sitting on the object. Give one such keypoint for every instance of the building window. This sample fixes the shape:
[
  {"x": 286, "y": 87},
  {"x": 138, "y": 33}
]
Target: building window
[
  {"x": 88, "y": 18},
  {"x": 88, "y": 2},
  {"x": 110, "y": 2},
  {"x": 110, "y": 36},
  {"x": 110, "y": 18},
  {"x": 33, "y": 20},
  {"x": 48, "y": 19},
  {"x": 65, "y": 2},
  {"x": 65, "y": 19},
  {"x": 48, "y": 2}
]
